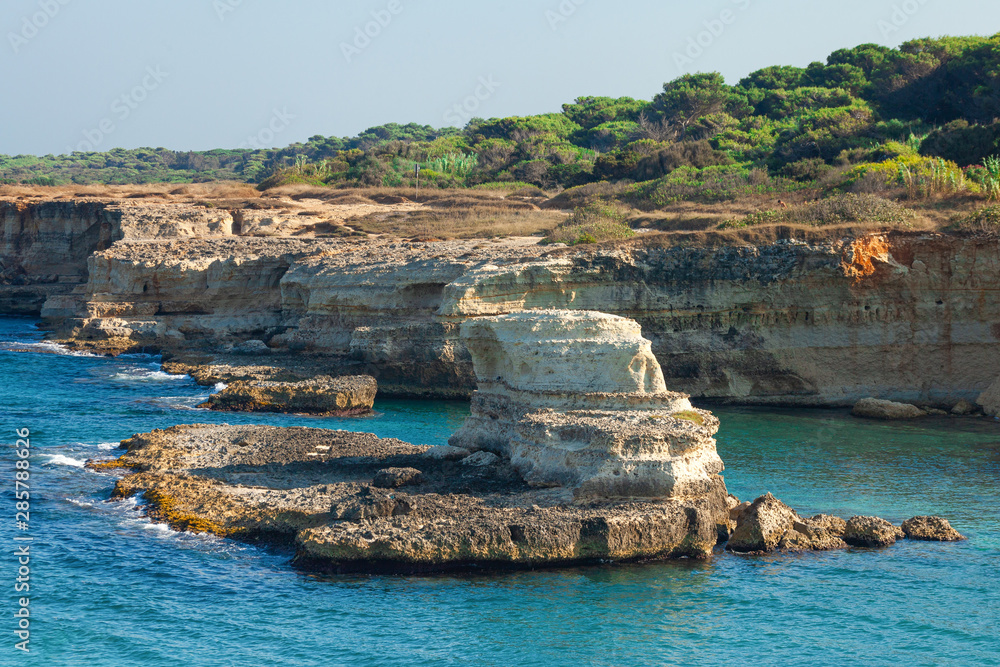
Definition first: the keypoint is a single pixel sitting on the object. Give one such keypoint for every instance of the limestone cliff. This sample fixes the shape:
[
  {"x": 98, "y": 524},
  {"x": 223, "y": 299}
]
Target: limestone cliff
[
  {"x": 45, "y": 245},
  {"x": 906, "y": 317}
]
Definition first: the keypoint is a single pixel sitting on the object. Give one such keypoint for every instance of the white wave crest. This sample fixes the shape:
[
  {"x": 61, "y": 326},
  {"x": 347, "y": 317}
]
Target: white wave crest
[
  {"x": 144, "y": 375},
  {"x": 45, "y": 347},
  {"x": 60, "y": 460}
]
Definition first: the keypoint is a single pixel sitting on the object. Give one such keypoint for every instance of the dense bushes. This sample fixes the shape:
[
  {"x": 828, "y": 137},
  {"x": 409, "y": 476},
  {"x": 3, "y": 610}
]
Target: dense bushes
[
  {"x": 708, "y": 185},
  {"x": 984, "y": 221},
  {"x": 839, "y": 209},
  {"x": 963, "y": 143},
  {"x": 870, "y": 110}
]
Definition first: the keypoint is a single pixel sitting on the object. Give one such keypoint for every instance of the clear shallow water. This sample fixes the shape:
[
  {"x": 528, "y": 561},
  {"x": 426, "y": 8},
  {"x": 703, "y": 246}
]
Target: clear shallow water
[{"x": 110, "y": 588}]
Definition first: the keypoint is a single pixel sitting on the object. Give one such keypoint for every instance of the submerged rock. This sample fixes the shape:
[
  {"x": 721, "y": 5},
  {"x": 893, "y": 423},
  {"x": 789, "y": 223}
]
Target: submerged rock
[
  {"x": 322, "y": 490},
  {"x": 871, "y": 531},
  {"x": 874, "y": 408},
  {"x": 931, "y": 528},
  {"x": 340, "y": 396}
]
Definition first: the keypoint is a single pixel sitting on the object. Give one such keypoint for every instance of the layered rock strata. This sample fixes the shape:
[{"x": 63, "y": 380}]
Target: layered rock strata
[
  {"x": 45, "y": 246},
  {"x": 322, "y": 395},
  {"x": 354, "y": 502},
  {"x": 907, "y": 317},
  {"x": 576, "y": 399}
]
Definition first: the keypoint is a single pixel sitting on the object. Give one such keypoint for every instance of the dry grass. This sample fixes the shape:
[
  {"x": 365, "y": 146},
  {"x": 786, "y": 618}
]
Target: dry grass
[
  {"x": 300, "y": 191},
  {"x": 465, "y": 213},
  {"x": 478, "y": 222},
  {"x": 166, "y": 191}
]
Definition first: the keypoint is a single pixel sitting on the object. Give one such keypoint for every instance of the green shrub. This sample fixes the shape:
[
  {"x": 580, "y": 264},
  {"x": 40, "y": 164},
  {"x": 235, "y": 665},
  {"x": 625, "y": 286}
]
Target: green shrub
[
  {"x": 839, "y": 209},
  {"x": 991, "y": 178},
  {"x": 593, "y": 223},
  {"x": 708, "y": 185},
  {"x": 807, "y": 169},
  {"x": 985, "y": 220},
  {"x": 921, "y": 176}
]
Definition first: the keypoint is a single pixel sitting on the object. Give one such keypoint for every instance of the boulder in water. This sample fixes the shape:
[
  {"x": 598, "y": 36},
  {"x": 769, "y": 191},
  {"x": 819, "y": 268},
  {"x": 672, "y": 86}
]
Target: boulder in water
[
  {"x": 964, "y": 408},
  {"x": 990, "y": 399},
  {"x": 874, "y": 408},
  {"x": 870, "y": 531},
  {"x": 762, "y": 525},
  {"x": 931, "y": 528}
]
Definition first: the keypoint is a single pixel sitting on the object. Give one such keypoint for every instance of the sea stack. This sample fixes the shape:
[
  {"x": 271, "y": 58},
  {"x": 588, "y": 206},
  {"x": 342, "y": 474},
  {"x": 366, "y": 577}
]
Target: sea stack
[{"x": 576, "y": 399}]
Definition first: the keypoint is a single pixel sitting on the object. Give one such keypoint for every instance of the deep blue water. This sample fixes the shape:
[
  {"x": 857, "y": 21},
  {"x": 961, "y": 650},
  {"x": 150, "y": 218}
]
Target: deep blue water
[{"x": 110, "y": 588}]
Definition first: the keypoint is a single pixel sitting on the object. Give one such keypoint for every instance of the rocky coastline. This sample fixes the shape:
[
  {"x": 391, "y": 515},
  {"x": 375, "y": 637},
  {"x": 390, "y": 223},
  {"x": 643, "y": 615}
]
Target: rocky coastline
[
  {"x": 903, "y": 316},
  {"x": 574, "y": 453}
]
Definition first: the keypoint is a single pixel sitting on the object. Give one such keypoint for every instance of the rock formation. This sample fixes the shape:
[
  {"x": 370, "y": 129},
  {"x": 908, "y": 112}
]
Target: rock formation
[
  {"x": 767, "y": 525},
  {"x": 354, "y": 502},
  {"x": 322, "y": 395},
  {"x": 930, "y": 528},
  {"x": 905, "y": 316},
  {"x": 874, "y": 408},
  {"x": 990, "y": 399},
  {"x": 871, "y": 531},
  {"x": 576, "y": 399}
]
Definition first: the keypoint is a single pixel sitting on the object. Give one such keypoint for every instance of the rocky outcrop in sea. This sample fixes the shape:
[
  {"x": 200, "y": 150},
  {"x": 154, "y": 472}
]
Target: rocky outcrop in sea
[
  {"x": 321, "y": 395},
  {"x": 589, "y": 459}
]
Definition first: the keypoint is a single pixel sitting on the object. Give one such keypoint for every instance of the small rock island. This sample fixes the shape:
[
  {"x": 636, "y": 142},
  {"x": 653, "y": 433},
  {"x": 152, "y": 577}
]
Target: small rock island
[{"x": 575, "y": 452}]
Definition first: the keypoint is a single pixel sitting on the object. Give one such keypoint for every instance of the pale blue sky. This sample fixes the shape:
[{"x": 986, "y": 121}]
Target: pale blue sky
[{"x": 226, "y": 66}]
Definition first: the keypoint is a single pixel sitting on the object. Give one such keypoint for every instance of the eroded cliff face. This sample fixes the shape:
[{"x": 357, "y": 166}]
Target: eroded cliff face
[
  {"x": 908, "y": 317},
  {"x": 911, "y": 317},
  {"x": 45, "y": 246},
  {"x": 44, "y": 250}
]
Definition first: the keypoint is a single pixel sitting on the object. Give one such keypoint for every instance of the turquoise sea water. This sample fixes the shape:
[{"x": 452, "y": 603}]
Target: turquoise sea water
[{"x": 110, "y": 588}]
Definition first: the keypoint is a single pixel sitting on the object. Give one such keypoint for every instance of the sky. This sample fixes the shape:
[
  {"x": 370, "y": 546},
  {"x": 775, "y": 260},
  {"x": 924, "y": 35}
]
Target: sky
[{"x": 201, "y": 74}]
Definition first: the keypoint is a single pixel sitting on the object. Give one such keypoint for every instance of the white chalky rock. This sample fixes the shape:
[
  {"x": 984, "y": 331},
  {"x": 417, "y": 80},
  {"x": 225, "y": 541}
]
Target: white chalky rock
[{"x": 576, "y": 399}]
